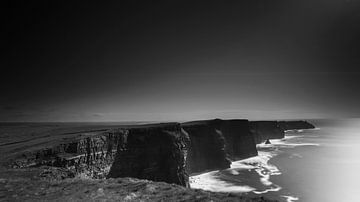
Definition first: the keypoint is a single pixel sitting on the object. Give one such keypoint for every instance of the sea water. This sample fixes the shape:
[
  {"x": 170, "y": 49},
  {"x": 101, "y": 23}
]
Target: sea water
[{"x": 321, "y": 164}]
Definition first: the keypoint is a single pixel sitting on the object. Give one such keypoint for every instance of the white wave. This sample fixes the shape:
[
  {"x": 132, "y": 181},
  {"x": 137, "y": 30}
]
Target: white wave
[
  {"x": 291, "y": 145},
  {"x": 302, "y": 130},
  {"x": 284, "y": 143},
  {"x": 288, "y": 137},
  {"x": 290, "y": 198},
  {"x": 207, "y": 181},
  {"x": 260, "y": 164},
  {"x": 262, "y": 167},
  {"x": 234, "y": 172},
  {"x": 276, "y": 188}
]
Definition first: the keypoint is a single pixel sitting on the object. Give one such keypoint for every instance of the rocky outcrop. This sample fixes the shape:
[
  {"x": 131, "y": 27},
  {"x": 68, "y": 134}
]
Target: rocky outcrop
[
  {"x": 206, "y": 146},
  {"x": 295, "y": 125},
  {"x": 264, "y": 130},
  {"x": 89, "y": 153},
  {"x": 239, "y": 141},
  {"x": 154, "y": 152}
]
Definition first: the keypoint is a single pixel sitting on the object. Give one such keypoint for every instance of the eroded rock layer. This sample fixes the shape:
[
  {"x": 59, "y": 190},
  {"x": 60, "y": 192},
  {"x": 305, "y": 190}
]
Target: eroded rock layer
[
  {"x": 89, "y": 153},
  {"x": 264, "y": 130}
]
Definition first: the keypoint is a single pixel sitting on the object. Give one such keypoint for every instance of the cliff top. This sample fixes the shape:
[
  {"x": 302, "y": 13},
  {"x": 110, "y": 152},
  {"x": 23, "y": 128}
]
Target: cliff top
[{"x": 211, "y": 121}]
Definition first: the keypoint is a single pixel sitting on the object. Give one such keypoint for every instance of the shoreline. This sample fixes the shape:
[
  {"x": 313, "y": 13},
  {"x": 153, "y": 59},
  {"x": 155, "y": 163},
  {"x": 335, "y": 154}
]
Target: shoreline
[
  {"x": 70, "y": 152},
  {"x": 262, "y": 172}
]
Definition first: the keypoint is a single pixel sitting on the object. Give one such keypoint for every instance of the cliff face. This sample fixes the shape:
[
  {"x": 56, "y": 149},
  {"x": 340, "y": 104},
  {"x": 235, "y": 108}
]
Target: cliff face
[
  {"x": 153, "y": 152},
  {"x": 295, "y": 125},
  {"x": 263, "y": 130},
  {"x": 239, "y": 142},
  {"x": 160, "y": 152},
  {"x": 206, "y": 146},
  {"x": 89, "y": 153}
]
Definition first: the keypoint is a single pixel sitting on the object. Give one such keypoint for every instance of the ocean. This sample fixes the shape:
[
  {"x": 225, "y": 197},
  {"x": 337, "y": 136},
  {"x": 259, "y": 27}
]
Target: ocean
[{"x": 321, "y": 164}]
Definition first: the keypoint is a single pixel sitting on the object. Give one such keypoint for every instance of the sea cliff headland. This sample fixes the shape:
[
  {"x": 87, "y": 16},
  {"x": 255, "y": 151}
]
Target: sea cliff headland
[{"x": 100, "y": 155}]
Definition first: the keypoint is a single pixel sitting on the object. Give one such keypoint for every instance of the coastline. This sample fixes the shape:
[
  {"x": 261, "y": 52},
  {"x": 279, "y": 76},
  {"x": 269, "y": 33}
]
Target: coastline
[
  {"x": 83, "y": 151},
  {"x": 260, "y": 175}
]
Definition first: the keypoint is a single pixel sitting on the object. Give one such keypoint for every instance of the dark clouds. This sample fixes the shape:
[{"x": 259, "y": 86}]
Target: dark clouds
[{"x": 149, "y": 60}]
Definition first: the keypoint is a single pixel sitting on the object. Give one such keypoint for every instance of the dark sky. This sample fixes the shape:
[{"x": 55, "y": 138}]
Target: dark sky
[{"x": 179, "y": 60}]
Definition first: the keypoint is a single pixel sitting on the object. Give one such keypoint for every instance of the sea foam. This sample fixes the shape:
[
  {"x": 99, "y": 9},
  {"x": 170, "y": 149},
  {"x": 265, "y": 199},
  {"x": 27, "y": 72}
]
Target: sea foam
[
  {"x": 208, "y": 181},
  {"x": 252, "y": 174},
  {"x": 290, "y": 198}
]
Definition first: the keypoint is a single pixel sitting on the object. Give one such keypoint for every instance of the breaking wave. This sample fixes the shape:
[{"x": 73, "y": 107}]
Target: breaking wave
[{"x": 252, "y": 174}]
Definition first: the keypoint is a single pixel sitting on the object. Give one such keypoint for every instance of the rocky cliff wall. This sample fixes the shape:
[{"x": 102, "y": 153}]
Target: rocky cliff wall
[
  {"x": 160, "y": 152},
  {"x": 263, "y": 130},
  {"x": 206, "y": 146},
  {"x": 89, "y": 153},
  {"x": 239, "y": 141},
  {"x": 295, "y": 125},
  {"x": 155, "y": 152}
]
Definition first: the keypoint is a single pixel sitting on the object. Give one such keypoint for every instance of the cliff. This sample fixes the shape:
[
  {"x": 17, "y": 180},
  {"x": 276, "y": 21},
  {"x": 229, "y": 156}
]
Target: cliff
[
  {"x": 90, "y": 153},
  {"x": 165, "y": 152},
  {"x": 154, "y": 152},
  {"x": 263, "y": 130},
  {"x": 158, "y": 152},
  {"x": 295, "y": 125},
  {"x": 239, "y": 141},
  {"x": 206, "y": 146}
]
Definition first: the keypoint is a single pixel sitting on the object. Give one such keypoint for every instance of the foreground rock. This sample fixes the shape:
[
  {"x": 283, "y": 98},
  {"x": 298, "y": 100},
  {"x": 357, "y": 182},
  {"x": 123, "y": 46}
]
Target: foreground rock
[{"x": 25, "y": 185}]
